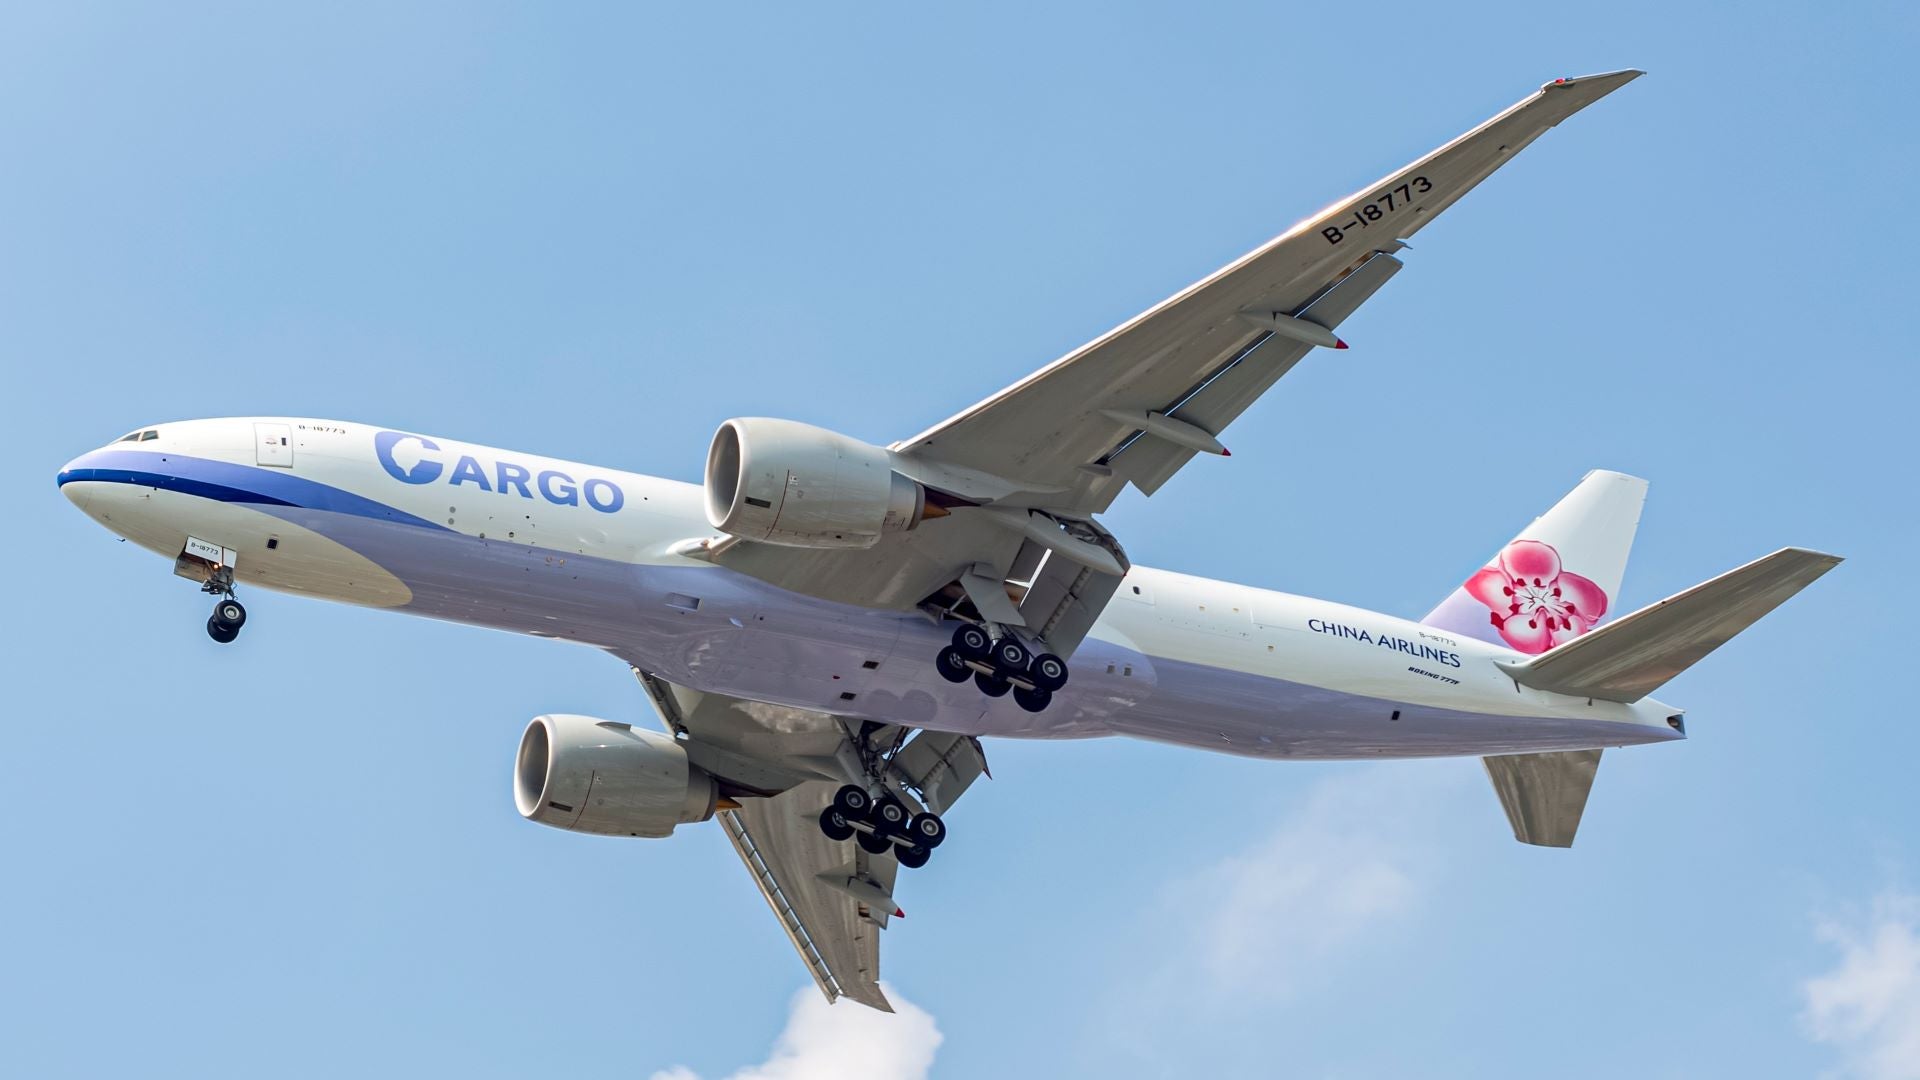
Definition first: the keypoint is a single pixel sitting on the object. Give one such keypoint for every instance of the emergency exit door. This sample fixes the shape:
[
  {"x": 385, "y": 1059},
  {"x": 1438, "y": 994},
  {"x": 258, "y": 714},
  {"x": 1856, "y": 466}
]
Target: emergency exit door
[{"x": 273, "y": 445}]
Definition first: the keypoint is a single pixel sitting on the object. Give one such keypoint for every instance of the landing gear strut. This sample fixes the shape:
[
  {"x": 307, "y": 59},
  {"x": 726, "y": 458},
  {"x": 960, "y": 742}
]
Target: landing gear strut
[
  {"x": 1002, "y": 664},
  {"x": 228, "y": 616},
  {"x": 881, "y": 825}
]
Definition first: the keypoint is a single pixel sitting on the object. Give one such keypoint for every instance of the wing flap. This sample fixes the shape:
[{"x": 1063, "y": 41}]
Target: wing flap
[
  {"x": 1633, "y": 656},
  {"x": 836, "y": 935},
  {"x": 782, "y": 765},
  {"x": 1226, "y": 393}
]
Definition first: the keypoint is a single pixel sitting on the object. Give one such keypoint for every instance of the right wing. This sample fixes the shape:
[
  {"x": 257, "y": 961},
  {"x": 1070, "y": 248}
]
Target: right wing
[{"x": 837, "y": 936}]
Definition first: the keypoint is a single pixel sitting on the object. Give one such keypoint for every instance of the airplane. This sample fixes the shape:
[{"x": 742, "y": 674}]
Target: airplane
[{"x": 828, "y": 628}]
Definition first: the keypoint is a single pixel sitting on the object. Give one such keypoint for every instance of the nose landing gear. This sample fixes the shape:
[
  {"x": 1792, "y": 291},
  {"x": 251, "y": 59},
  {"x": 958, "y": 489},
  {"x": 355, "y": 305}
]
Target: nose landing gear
[
  {"x": 228, "y": 616},
  {"x": 1002, "y": 664},
  {"x": 227, "y": 619}
]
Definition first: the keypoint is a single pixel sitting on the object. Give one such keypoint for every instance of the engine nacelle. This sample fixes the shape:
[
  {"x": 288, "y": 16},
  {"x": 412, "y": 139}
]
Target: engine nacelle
[
  {"x": 789, "y": 483},
  {"x": 597, "y": 776}
]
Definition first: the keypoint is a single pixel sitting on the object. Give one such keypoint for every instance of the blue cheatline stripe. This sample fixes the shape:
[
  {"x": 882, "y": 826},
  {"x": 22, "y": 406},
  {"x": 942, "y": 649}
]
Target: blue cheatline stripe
[{"x": 224, "y": 481}]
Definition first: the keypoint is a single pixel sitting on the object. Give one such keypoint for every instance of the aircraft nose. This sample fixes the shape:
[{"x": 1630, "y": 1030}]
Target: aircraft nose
[{"x": 71, "y": 476}]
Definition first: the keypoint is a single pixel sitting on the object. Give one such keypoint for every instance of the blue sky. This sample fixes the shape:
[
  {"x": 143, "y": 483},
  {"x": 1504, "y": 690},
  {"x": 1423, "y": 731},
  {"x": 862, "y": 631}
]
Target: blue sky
[{"x": 595, "y": 231}]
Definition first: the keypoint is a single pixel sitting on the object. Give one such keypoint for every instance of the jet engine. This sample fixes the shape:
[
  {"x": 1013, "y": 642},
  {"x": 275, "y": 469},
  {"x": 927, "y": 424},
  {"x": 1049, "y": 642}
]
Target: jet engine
[
  {"x": 597, "y": 776},
  {"x": 797, "y": 485}
]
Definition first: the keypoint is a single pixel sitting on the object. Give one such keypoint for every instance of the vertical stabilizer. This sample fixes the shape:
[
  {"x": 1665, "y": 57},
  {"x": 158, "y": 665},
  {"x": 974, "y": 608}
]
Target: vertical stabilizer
[{"x": 1559, "y": 578}]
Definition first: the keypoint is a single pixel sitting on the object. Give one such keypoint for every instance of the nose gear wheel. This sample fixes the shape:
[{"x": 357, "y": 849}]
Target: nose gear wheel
[{"x": 227, "y": 619}]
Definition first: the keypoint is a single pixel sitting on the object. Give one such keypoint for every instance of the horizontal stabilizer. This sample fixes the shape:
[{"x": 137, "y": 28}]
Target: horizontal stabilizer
[
  {"x": 1544, "y": 794},
  {"x": 1632, "y": 657}
]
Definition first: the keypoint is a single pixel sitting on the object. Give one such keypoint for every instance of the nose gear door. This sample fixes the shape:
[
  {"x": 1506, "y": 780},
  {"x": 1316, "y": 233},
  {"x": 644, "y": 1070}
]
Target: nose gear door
[{"x": 273, "y": 445}]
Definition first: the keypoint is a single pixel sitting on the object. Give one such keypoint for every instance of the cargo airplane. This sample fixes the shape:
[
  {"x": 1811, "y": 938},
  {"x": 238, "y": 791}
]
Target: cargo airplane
[{"x": 828, "y": 628}]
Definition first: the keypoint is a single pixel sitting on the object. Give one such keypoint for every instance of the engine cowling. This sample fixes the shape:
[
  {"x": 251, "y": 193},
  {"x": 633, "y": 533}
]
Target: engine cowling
[
  {"x": 789, "y": 483},
  {"x": 597, "y": 776}
]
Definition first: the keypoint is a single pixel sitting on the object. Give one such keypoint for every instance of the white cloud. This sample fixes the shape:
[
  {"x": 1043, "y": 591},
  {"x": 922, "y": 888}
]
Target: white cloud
[
  {"x": 1869, "y": 1006},
  {"x": 1317, "y": 896},
  {"x": 1352, "y": 860},
  {"x": 831, "y": 1042}
]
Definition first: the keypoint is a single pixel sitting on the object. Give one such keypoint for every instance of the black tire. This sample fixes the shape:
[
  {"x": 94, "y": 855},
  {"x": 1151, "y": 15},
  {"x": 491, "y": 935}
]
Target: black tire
[
  {"x": 972, "y": 641},
  {"x": 873, "y": 843},
  {"x": 834, "y": 824},
  {"x": 222, "y": 633},
  {"x": 1048, "y": 672},
  {"x": 1032, "y": 700},
  {"x": 890, "y": 816},
  {"x": 913, "y": 856},
  {"x": 1010, "y": 656},
  {"x": 992, "y": 685},
  {"x": 927, "y": 830},
  {"x": 229, "y": 613},
  {"x": 953, "y": 665},
  {"x": 852, "y": 801}
]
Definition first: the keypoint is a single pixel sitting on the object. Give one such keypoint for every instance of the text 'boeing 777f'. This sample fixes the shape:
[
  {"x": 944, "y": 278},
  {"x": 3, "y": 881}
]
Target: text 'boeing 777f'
[{"x": 827, "y": 628}]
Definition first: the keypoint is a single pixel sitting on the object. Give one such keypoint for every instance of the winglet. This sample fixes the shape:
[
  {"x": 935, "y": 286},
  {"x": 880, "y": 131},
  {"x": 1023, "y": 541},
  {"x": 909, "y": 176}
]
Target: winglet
[
  {"x": 1570, "y": 95},
  {"x": 1607, "y": 81}
]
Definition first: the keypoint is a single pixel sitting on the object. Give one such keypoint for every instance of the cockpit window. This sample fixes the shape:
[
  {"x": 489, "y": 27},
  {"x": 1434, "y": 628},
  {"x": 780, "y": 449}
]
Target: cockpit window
[
  {"x": 131, "y": 437},
  {"x": 149, "y": 435},
  {"x": 140, "y": 436}
]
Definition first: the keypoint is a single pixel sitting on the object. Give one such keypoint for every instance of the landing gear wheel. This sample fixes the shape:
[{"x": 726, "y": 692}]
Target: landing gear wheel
[
  {"x": 972, "y": 641},
  {"x": 1032, "y": 700},
  {"x": 834, "y": 824},
  {"x": 992, "y": 685},
  {"x": 873, "y": 843},
  {"x": 913, "y": 856},
  {"x": 890, "y": 816},
  {"x": 1048, "y": 672},
  {"x": 852, "y": 801},
  {"x": 927, "y": 830},
  {"x": 952, "y": 664},
  {"x": 230, "y": 613},
  {"x": 1010, "y": 656},
  {"x": 221, "y": 632}
]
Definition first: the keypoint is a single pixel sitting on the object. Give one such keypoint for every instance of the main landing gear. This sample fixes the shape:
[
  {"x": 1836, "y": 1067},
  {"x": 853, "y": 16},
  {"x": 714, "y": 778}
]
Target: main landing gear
[
  {"x": 1002, "y": 665},
  {"x": 883, "y": 824}
]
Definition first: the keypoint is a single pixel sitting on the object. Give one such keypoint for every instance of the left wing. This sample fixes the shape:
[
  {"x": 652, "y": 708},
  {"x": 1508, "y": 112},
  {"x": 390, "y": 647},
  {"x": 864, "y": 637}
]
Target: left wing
[
  {"x": 781, "y": 766},
  {"x": 1028, "y": 468},
  {"x": 1138, "y": 402}
]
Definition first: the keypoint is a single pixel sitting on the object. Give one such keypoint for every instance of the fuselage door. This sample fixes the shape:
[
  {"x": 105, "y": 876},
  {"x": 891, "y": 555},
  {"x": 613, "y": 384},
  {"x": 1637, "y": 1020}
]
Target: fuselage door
[{"x": 273, "y": 445}]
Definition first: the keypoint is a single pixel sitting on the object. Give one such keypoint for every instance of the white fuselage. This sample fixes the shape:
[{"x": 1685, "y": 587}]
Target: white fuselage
[{"x": 563, "y": 550}]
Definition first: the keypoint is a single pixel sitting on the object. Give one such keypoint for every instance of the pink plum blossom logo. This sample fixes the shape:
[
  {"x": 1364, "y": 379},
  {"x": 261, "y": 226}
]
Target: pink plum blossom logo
[{"x": 1536, "y": 604}]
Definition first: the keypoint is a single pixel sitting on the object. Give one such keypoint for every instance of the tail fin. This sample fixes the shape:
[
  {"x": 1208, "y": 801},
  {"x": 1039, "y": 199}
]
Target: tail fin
[
  {"x": 1632, "y": 657},
  {"x": 1558, "y": 578}
]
